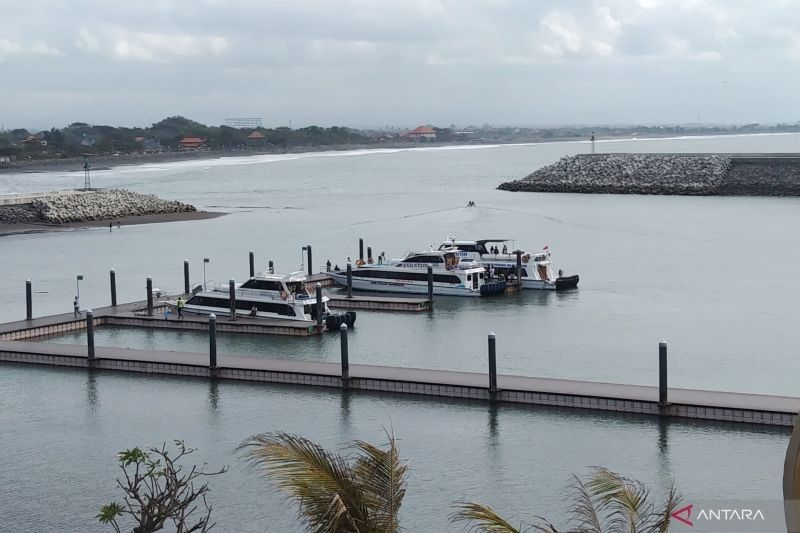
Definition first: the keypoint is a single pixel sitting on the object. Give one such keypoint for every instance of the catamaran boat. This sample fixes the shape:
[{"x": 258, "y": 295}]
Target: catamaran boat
[
  {"x": 410, "y": 275},
  {"x": 536, "y": 271},
  {"x": 266, "y": 295}
]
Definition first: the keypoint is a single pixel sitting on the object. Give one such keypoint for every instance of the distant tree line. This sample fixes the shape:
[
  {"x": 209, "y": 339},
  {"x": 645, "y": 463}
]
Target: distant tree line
[{"x": 80, "y": 138}]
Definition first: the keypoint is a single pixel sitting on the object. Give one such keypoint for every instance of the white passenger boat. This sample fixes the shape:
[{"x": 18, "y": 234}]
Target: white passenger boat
[
  {"x": 274, "y": 296},
  {"x": 410, "y": 275},
  {"x": 536, "y": 270}
]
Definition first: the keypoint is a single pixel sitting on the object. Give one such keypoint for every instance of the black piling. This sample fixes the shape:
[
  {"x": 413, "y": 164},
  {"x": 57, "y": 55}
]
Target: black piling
[
  {"x": 28, "y": 300},
  {"x": 492, "y": 364},
  {"x": 212, "y": 341},
  {"x": 369, "y": 254},
  {"x": 271, "y": 267},
  {"x": 252, "y": 264},
  {"x": 349, "y": 280},
  {"x": 186, "y": 288},
  {"x": 430, "y": 285},
  {"x": 318, "y": 288},
  {"x": 90, "y": 335},
  {"x": 149, "y": 296},
  {"x": 519, "y": 268},
  {"x": 310, "y": 260},
  {"x": 232, "y": 295},
  {"x": 112, "y": 278},
  {"x": 662, "y": 375},
  {"x": 361, "y": 248},
  {"x": 345, "y": 356}
]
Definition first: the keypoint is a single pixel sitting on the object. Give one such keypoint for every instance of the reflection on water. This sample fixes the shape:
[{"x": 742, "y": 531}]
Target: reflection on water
[{"x": 516, "y": 458}]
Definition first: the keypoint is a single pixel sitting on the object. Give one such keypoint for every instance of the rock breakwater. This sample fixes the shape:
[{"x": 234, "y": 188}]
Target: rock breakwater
[
  {"x": 88, "y": 206},
  {"x": 682, "y": 174}
]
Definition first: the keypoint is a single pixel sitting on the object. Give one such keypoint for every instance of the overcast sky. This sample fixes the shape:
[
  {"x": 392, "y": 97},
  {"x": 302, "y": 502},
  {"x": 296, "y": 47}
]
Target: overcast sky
[{"x": 403, "y": 63}]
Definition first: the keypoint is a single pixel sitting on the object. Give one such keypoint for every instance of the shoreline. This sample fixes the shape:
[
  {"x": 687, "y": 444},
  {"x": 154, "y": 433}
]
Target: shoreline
[
  {"x": 109, "y": 162},
  {"x": 9, "y": 229}
]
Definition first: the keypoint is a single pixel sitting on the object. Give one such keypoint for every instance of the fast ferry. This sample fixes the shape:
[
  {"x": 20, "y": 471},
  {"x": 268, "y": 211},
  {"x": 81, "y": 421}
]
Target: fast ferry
[
  {"x": 410, "y": 275},
  {"x": 265, "y": 295},
  {"x": 536, "y": 271}
]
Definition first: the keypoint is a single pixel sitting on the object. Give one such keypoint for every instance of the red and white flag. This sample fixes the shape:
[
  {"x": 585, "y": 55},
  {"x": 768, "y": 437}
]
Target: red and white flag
[{"x": 546, "y": 248}]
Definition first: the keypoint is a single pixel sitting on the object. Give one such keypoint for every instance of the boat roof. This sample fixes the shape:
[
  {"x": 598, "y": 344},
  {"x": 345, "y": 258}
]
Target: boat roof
[
  {"x": 480, "y": 241},
  {"x": 298, "y": 275}
]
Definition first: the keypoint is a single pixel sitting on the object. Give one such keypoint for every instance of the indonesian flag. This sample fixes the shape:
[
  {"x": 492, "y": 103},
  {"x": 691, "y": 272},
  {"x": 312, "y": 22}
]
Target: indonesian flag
[{"x": 546, "y": 248}]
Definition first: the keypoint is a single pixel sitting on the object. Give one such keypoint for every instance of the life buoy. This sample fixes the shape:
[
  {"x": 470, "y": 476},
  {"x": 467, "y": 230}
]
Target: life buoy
[
  {"x": 360, "y": 263},
  {"x": 284, "y": 295}
]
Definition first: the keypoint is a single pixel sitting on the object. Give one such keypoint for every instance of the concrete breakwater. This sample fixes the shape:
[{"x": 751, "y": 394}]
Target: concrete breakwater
[
  {"x": 65, "y": 207},
  {"x": 682, "y": 174}
]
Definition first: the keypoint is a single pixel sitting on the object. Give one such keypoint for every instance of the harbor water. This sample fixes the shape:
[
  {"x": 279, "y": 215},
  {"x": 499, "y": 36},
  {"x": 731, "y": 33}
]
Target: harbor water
[{"x": 714, "y": 276}]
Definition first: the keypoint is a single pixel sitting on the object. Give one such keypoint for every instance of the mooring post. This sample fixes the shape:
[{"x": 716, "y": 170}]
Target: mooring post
[
  {"x": 662, "y": 375},
  {"x": 318, "y": 287},
  {"x": 232, "y": 294},
  {"x": 28, "y": 300},
  {"x": 90, "y": 334},
  {"x": 519, "y": 268},
  {"x": 186, "y": 288},
  {"x": 112, "y": 277},
  {"x": 271, "y": 267},
  {"x": 369, "y": 254},
  {"x": 149, "y": 296},
  {"x": 349, "y": 280},
  {"x": 361, "y": 248},
  {"x": 212, "y": 341},
  {"x": 430, "y": 285},
  {"x": 252, "y": 264},
  {"x": 492, "y": 364},
  {"x": 345, "y": 356}
]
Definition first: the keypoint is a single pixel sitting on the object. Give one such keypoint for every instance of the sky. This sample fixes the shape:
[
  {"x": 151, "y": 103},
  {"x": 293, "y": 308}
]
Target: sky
[{"x": 376, "y": 63}]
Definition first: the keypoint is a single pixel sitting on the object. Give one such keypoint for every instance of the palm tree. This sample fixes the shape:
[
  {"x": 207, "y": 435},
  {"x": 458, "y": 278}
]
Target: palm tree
[
  {"x": 360, "y": 493},
  {"x": 606, "y": 503}
]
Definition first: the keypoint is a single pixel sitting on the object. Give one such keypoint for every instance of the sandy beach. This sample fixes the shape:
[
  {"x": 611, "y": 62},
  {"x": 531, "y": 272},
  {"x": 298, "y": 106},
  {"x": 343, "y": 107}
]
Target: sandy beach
[{"x": 17, "y": 229}]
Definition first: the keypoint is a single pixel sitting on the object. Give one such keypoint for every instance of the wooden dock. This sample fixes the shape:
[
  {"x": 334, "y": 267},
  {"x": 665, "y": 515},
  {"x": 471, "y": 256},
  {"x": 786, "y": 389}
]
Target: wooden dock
[
  {"x": 683, "y": 403},
  {"x": 378, "y": 303}
]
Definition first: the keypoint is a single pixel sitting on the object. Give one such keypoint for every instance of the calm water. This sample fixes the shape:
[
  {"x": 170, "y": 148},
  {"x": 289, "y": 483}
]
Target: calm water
[
  {"x": 61, "y": 429},
  {"x": 716, "y": 277}
]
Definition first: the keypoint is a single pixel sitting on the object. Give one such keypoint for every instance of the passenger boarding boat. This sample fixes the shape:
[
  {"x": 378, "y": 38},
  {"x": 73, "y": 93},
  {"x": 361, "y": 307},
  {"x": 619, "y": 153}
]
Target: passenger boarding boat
[
  {"x": 537, "y": 271},
  {"x": 410, "y": 275},
  {"x": 274, "y": 296}
]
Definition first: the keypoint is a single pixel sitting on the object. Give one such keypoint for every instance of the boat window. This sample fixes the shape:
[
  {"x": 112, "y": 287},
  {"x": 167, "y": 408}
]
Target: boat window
[
  {"x": 242, "y": 305},
  {"x": 295, "y": 286},
  {"x": 423, "y": 259},
  {"x": 469, "y": 277},
  {"x": 406, "y": 276},
  {"x": 262, "y": 284},
  {"x": 481, "y": 249},
  {"x": 468, "y": 247}
]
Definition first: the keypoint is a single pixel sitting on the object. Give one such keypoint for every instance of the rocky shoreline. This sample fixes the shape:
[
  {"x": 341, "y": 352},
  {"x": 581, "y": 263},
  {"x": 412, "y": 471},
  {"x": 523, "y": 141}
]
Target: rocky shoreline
[
  {"x": 79, "y": 206},
  {"x": 678, "y": 174}
]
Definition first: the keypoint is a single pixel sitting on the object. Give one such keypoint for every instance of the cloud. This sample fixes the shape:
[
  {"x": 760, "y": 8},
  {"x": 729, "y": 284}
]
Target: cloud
[{"x": 383, "y": 60}]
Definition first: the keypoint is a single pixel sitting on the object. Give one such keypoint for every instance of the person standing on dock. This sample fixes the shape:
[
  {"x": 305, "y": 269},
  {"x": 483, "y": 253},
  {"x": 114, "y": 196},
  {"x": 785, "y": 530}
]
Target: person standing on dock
[
  {"x": 109, "y": 226},
  {"x": 179, "y": 307},
  {"x": 76, "y": 307}
]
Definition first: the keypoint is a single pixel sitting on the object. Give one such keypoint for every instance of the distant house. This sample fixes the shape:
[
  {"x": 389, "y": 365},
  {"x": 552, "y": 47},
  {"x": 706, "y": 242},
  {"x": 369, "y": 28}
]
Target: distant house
[
  {"x": 256, "y": 136},
  {"x": 421, "y": 132},
  {"x": 151, "y": 145},
  {"x": 34, "y": 140},
  {"x": 192, "y": 143}
]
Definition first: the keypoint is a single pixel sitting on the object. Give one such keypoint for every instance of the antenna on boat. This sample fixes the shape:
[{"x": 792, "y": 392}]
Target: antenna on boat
[{"x": 303, "y": 258}]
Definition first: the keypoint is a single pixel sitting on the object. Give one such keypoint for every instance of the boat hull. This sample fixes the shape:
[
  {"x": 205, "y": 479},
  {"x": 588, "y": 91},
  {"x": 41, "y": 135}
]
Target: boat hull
[{"x": 376, "y": 285}]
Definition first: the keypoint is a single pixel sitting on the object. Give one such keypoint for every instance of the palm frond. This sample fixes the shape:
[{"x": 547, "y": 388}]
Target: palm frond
[
  {"x": 382, "y": 477},
  {"x": 585, "y": 514},
  {"x": 482, "y": 518},
  {"x": 664, "y": 513},
  {"x": 321, "y": 483}
]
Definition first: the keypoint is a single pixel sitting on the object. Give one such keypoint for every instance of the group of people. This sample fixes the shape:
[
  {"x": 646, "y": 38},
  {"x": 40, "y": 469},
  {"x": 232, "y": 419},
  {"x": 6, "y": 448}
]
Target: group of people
[{"x": 495, "y": 250}]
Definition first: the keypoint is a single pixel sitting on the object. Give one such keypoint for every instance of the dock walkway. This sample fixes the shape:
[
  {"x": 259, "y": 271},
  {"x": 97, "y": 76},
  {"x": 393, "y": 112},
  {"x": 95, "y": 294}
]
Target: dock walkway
[{"x": 684, "y": 403}]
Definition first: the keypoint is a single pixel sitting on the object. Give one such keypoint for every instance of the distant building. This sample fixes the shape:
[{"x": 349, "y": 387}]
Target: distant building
[
  {"x": 192, "y": 143},
  {"x": 256, "y": 136},
  {"x": 421, "y": 132}
]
